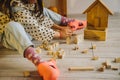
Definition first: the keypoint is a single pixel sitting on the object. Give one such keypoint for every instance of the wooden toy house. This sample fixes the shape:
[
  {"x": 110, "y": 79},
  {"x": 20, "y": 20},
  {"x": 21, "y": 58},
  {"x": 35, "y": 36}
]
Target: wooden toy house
[{"x": 97, "y": 21}]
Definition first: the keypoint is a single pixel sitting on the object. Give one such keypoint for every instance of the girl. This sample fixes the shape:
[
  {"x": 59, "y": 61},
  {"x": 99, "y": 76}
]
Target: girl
[
  {"x": 30, "y": 14},
  {"x": 15, "y": 37}
]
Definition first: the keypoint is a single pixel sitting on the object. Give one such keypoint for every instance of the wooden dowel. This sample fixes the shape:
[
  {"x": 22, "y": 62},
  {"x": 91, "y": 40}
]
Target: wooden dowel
[{"x": 81, "y": 69}]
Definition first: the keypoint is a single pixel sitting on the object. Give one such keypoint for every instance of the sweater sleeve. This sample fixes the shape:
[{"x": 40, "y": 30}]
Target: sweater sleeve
[{"x": 34, "y": 26}]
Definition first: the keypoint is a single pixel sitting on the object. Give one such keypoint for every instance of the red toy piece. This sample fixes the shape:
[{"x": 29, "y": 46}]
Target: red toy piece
[
  {"x": 77, "y": 24},
  {"x": 48, "y": 70}
]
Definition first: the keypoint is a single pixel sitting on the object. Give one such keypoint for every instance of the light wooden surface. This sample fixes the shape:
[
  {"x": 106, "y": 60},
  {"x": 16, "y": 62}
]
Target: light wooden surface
[{"x": 12, "y": 64}]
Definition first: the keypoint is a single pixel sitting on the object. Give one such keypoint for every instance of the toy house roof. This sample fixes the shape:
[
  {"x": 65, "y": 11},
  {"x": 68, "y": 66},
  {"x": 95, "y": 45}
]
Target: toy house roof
[{"x": 95, "y": 3}]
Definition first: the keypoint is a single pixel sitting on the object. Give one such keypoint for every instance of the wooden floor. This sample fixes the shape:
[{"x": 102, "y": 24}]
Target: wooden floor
[{"x": 12, "y": 65}]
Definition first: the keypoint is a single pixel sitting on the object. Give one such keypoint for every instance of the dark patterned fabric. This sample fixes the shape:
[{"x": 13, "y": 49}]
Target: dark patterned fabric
[
  {"x": 3, "y": 20},
  {"x": 38, "y": 26}
]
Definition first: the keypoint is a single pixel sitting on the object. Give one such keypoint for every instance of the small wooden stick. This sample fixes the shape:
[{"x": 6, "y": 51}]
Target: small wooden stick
[
  {"x": 93, "y": 56},
  {"x": 81, "y": 68},
  {"x": 114, "y": 68}
]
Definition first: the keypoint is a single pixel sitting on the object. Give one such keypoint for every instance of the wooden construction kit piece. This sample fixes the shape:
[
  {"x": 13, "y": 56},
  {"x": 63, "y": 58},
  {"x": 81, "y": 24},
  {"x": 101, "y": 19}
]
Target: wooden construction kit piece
[
  {"x": 85, "y": 51},
  {"x": 114, "y": 68},
  {"x": 58, "y": 54},
  {"x": 78, "y": 38},
  {"x": 38, "y": 50},
  {"x": 93, "y": 46},
  {"x": 88, "y": 68},
  {"x": 50, "y": 53},
  {"x": 101, "y": 69},
  {"x": 107, "y": 64},
  {"x": 68, "y": 40},
  {"x": 93, "y": 56},
  {"x": 117, "y": 60},
  {"x": 76, "y": 48},
  {"x": 75, "y": 39}
]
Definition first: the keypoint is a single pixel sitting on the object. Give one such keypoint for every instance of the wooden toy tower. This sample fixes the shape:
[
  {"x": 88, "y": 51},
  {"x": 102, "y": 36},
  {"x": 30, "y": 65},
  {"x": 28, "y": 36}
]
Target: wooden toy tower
[{"x": 97, "y": 21}]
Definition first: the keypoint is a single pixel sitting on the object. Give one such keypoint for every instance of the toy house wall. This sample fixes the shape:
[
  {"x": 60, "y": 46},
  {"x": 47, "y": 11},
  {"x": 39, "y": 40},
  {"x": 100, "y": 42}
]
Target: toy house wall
[{"x": 97, "y": 17}]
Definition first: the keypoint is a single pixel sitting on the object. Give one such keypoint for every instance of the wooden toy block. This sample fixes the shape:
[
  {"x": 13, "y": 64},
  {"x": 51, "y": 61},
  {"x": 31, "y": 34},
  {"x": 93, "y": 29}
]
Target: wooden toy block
[
  {"x": 99, "y": 35},
  {"x": 57, "y": 44},
  {"x": 38, "y": 50},
  {"x": 50, "y": 53},
  {"x": 93, "y": 46},
  {"x": 76, "y": 48},
  {"x": 26, "y": 74},
  {"x": 95, "y": 58},
  {"x": 114, "y": 68},
  {"x": 75, "y": 39},
  {"x": 55, "y": 56},
  {"x": 101, "y": 69},
  {"x": 60, "y": 53},
  {"x": 68, "y": 40},
  {"x": 78, "y": 38},
  {"x": 117, "y": 60},
  {"x": 50, "y": 47},
  {"x": 107, "y": 65},
  {"x": 81, "y": 68},
  {"x": 85, "y": 51}
]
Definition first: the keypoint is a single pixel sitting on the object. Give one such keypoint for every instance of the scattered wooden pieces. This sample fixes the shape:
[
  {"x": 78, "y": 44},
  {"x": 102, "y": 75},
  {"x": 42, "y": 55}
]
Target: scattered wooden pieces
[
  {"x": 38, "y": 50},
  {"x": 107, "y": 65},
  {"x": 101, "y": 69},
  {"x": 75, "y": 39},
  {"x": 85, "y": 51},
  {"x": 93, "y": 46},
  {"x": 95, "y": 58},
  {"x": 26, "y": 74},
  {"x": 117, "y": 60},
  {"x": 58, "y": 54},
  {"x": 81, "y": 68},
  {"x": 50, "y": 53},
  {"x": 78, "y": 38},
  {"x": 114, "y": 68},
  {"x": 68, "y": 40},
  {"x": 76, "y": 48}
]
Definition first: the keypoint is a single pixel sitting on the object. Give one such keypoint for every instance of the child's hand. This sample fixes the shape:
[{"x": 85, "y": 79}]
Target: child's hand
[
  {"x": 48, "y": 70},
  {"x": 65, "y": 32}
]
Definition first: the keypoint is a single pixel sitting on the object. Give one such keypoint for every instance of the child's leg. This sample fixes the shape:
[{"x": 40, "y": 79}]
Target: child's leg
[
  {"x": 59, "y": 19},
  {"x": 55, "y": 17},
  {"x": 16, "y": 38}
]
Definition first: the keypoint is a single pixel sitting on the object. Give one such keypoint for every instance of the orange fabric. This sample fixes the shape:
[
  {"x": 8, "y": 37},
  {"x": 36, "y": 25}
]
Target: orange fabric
[
  {"x": 77, "y": 24},
  {"x": 48, "y": 70}
]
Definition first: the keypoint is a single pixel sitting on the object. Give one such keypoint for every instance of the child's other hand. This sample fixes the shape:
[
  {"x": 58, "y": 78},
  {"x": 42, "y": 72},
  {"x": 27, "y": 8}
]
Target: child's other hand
[{"x": 65, "y": 32}]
